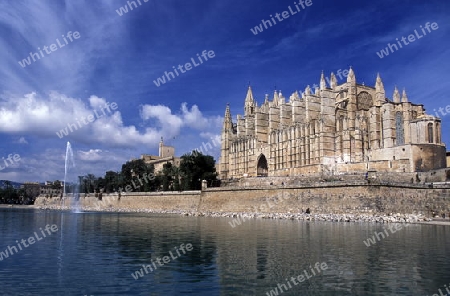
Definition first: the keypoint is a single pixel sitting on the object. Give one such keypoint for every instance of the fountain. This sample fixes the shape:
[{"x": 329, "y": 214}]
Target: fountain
[{"x": 69, "y": 166}]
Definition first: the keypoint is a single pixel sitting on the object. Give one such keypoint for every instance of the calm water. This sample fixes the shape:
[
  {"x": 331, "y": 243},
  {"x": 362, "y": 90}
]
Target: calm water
[{"x": 97, "y": 253}]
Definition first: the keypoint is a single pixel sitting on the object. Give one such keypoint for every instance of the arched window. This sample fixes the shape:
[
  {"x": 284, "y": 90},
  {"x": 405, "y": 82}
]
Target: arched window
[
  {"x": 430, "y": 133},
  {"x": 400, "y": 137}
]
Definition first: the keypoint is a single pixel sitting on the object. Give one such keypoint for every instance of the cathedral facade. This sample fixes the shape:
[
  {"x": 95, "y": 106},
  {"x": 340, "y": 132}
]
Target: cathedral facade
[{"x": 346, "y": 128}]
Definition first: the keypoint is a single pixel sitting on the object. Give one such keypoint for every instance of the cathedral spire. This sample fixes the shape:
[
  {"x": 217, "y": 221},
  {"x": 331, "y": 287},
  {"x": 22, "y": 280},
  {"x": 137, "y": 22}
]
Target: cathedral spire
[
  {"x": 404, "y": 97},
  {"x": 333, "y": 81},
  {"x": 227, "y": 122},
  {"x": 249, "y": 102},
  {"x": 323, "y": 83},
  {"x": 227, "y": 113},
  {"x": 396, "y": 95},
  {"x": 249, "y": 98},
  {"x": 351, "y": 76}
]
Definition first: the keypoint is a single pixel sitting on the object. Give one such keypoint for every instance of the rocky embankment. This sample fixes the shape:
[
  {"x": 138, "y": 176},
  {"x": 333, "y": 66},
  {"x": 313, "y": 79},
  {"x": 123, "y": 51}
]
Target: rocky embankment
[{"x": 387, "y": 218}]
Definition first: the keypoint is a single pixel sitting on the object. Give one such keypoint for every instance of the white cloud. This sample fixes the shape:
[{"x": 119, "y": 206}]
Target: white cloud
[
  {"x": 211, "y": 136},
  {"x": 22, "y": 140},
  {"x": 44, "y": 24},
  {"x": 46, "y": 116},
  {"x": 172, "y": 123},
  {"x": 169, "y": 123},
  {"x": 193, "y": 117},
  {"x": 91, "y": 155}
]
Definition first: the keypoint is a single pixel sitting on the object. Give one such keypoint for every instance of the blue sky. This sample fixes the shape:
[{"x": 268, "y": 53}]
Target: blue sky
[{"x": 116, "y": 59}]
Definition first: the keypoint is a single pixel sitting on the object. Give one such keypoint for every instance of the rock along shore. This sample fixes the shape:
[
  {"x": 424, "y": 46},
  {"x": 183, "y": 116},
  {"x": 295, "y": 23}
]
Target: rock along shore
[{"x": 391, "y": 218}]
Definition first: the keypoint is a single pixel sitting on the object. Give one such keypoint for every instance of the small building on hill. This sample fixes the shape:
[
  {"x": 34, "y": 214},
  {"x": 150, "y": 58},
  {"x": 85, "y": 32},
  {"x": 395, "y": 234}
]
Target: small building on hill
[{"x": 166, "y": 155}]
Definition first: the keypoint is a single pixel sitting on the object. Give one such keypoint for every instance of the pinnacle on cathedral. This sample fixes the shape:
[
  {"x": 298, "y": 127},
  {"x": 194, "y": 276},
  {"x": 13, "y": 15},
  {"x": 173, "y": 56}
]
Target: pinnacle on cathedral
[
  {"x": 276, "y": 99},
  {"x": 396, "y": 95},
  {"x": 379, "y": 87},
  {"x": 323, "y": 83},
  {"x": 333, "y": 81},
  {"x": 308, "y": 90},
  {"x": 404, "y": 97},
  {"x": 282, "y": 98},
  {"x": 351, "y": 76}
]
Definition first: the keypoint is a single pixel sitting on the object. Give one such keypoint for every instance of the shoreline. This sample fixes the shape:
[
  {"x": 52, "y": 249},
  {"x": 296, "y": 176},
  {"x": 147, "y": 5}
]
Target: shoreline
[
  {"x": 245, "y": 216},
  {"x": 7, "y": 206}
]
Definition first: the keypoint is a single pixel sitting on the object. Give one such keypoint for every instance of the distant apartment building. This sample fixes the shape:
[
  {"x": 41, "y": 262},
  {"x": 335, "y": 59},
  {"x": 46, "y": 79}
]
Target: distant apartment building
[{"x": 52, "y": 188}]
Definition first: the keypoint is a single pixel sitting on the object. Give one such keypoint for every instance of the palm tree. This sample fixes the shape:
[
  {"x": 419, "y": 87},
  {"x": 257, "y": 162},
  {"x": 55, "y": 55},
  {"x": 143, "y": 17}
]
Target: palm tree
[{"x": 91, "y": 180}]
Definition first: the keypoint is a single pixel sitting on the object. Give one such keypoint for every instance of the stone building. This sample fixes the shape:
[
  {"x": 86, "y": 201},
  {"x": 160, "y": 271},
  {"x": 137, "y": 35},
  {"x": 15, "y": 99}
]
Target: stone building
[
  {"x": 335, "y": 129},
  {"x": 448, "y": 159},
  {"x": 166, "y": 154}
]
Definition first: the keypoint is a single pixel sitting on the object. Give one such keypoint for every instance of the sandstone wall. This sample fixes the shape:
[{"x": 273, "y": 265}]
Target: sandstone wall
[
  {"x": 160, "y": 201},
  {"x": 319, "y": 198},
  {"x": 331, "y": 199}
]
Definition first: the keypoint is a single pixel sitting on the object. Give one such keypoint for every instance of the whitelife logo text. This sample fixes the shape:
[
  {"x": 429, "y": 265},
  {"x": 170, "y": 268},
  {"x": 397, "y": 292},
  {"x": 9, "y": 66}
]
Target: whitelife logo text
[
  {"x": 411, "y": 38},
  {"x": 187, "y": 67},
  {"x": 166, "y": 259},
  {"x": 49, "y": 49},
  {"x": 281, "y": 16},
  {"x": 86, "y": 120},
  {"x": 31, "y": 240},
  {"x": 11, "y": 159}
]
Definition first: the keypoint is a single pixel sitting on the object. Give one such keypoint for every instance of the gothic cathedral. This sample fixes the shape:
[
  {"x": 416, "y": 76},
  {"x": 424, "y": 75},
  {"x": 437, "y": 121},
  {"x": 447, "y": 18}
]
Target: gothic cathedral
[{"x": 346, "y": 128}]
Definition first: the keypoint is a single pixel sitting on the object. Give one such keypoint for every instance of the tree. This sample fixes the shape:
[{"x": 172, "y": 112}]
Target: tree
[
  {"x": 195, "y": 167},
  {"x": 91, "y": 179},
  {"x": 111, "y": 181},
  {"x": 9, "y": 194},
  {"x": 170, "y": 177},
  {"x": 99, "y": 184},
  {"x": 134, "y": 170}
]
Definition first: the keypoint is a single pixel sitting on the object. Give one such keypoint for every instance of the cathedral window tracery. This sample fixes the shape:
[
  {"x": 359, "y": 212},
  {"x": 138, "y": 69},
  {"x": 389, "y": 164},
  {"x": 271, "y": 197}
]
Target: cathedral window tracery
[{"x": 364, "y": 101}]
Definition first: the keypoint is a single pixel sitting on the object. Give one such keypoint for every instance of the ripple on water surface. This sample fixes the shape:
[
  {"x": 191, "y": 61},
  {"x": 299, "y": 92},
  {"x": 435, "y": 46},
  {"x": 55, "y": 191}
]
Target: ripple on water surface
[{"x": 97, "y": 253}]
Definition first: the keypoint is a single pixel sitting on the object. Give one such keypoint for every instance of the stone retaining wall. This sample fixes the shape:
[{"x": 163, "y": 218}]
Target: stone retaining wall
[
  {"x": 158, "y": 201},
  {"x": 355, "y": 199},
  {"x": 320, "y": 198}
]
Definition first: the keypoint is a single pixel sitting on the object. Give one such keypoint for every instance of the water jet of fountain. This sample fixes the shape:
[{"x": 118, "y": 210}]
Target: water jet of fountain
[{"x": 69, "y": 165}]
